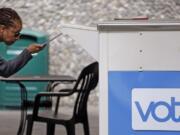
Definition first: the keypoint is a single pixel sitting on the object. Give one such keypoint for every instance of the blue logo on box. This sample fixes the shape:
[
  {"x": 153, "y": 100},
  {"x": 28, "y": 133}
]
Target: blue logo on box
[
  {"x": 151, "y": 110},
  {"x": 156, "y": 109}
]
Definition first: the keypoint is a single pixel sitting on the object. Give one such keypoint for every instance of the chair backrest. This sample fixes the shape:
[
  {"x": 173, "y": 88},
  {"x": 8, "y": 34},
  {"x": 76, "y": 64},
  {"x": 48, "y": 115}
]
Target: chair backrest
[{"x": 87, "y": 81}]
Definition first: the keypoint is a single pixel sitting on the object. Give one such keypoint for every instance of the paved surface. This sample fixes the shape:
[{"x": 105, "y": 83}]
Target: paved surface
[{"x": 9, "y": 121}]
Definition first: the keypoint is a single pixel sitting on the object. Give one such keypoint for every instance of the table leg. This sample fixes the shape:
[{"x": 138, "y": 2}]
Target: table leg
[{"x": 23, "y": 109}]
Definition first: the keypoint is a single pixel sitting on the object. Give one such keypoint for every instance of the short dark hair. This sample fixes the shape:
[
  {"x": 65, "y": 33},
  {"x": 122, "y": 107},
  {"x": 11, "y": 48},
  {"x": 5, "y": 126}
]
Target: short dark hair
[{"x": 8, "y": 16}]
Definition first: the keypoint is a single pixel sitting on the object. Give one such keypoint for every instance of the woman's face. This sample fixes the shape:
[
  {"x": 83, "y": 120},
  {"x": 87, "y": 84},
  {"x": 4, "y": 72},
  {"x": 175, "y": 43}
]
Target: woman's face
[{"x": 12, "y": 33}]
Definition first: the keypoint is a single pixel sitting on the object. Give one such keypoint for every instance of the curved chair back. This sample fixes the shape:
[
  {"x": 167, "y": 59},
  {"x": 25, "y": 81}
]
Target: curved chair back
[{"x": 87, "y": 81}]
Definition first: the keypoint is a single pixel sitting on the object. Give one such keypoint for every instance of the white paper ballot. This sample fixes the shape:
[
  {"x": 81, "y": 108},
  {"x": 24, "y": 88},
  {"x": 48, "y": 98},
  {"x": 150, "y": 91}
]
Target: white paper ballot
[{"x": 46, "y": 43}]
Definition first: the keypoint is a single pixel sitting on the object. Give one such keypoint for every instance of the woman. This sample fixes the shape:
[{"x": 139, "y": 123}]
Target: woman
[{"x": 10, "y": 27}]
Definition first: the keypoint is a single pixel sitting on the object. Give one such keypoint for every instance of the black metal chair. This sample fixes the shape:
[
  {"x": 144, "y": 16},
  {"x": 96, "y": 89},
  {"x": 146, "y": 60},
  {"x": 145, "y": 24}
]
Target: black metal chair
[
  {"x": 87, "y": 81},
  {"x": 26, "y": 104}
]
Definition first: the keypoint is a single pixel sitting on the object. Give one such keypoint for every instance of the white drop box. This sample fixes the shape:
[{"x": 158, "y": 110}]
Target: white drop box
[{"x": 140, "y": 55}]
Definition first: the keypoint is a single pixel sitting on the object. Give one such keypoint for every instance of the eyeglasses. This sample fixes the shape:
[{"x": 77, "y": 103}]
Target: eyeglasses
[{"x": 17, "y": 34}]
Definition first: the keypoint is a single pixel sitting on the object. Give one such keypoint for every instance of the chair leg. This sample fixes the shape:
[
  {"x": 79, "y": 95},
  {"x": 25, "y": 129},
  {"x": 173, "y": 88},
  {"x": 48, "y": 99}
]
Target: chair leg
[
  {"x": 29, "y": 127},
  {"x": 57, "y": 106},
  {"x": 50, "y": 128},
  {"x": 70, "y": 128},
  {"x": 86, "y": 126}
]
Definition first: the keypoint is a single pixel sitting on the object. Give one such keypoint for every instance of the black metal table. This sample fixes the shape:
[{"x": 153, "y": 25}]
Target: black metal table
[{"x": 43, "y": 78}]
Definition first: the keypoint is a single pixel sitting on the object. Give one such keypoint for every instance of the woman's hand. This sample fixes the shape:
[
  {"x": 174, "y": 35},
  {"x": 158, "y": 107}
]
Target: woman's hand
[{"x": 34, "y": 48}]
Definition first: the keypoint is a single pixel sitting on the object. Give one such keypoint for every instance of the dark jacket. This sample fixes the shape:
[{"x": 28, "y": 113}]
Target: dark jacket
[{"x": 7, "y": 68}]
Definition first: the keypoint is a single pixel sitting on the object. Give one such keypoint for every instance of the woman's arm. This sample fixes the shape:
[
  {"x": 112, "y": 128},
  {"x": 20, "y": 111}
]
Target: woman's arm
[{"x": 7, "y": 68}]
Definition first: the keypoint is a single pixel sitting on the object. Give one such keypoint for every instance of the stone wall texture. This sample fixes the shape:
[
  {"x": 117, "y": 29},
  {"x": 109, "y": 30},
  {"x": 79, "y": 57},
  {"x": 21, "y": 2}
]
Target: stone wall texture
[{"x": 65, "y": 55}]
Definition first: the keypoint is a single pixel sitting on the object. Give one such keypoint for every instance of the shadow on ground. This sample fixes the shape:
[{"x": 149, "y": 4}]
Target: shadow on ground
[{"x": 9, "y": 122}]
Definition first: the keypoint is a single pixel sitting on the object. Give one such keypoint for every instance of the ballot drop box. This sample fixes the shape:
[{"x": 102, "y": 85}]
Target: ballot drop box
[{"x": 139, "y": 76}]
